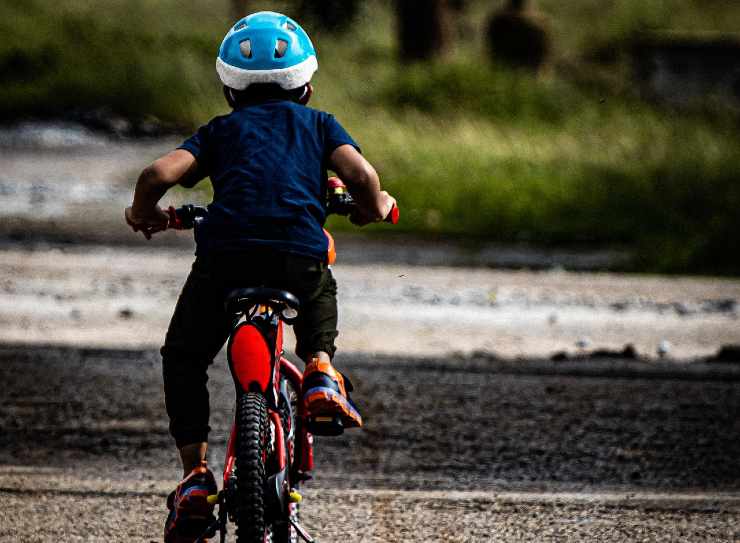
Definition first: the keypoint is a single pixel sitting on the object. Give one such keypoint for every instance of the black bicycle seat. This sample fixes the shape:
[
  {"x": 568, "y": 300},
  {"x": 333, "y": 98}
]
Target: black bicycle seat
[{"x": 241, "y": 299}]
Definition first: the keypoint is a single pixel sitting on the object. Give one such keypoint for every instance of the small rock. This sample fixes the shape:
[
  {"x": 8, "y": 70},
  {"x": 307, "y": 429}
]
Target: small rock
[
  {"x": 583, "y": 343},
  {"x": 484, "y": 355},
  {"x": 724, "y": 305},
  {"x": 727, "y": 353},
  {"x": 125, "y": 313},
  {"x": 119, "y": 126},
  {"x": 664, "y": 347},
  {"x": 681, "y": 308},
  {"x": 629, "y": 352}
]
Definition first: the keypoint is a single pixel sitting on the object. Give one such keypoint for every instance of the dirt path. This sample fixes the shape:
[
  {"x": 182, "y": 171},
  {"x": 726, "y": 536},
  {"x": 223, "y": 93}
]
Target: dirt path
[
  {"x": 454, "y": 450},
  {"x": 101, "y": 296}
]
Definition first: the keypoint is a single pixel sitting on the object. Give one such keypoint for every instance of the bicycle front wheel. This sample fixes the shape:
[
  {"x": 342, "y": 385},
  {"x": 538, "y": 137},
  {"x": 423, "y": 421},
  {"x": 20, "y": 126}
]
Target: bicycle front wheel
[{"x": 252, "y": 442}]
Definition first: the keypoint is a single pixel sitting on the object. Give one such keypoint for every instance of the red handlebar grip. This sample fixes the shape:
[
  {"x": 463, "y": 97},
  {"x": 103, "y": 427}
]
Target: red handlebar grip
[
  {"x": 174, "y": 221},
  {"x": 334, "y": 182},
  {"x": 393, "y": 216}
]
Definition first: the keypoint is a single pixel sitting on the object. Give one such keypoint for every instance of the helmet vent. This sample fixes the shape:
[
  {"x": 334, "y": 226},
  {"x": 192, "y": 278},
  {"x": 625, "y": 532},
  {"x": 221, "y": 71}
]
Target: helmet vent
[
  {"x": 240, "y": 26},
  {"x": 290, "y": 26},
  {"x": 246, "y": 48},
  {"x": 280, "y": 47}
]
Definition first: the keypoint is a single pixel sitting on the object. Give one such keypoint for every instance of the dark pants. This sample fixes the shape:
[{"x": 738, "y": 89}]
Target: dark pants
[{"x": 200, "y": 325}]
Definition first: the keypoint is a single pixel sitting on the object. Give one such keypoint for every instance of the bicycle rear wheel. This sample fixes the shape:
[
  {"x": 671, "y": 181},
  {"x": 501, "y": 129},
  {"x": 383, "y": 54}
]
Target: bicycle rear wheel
[{"x": 251, "y": 455}]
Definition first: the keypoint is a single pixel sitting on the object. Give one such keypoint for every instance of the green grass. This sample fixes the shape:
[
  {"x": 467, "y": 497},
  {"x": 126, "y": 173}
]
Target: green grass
[
  {"x": 469, "y": 150},
  {"x": 136, "y": 58},
  {"x": 648, "y": 188}
]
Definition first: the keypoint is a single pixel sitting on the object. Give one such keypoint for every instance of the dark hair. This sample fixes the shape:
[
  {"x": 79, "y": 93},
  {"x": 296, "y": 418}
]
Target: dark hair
[{"x": 263, "y": 92}]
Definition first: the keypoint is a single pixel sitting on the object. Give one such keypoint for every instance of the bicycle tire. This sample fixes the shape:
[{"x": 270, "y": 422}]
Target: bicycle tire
[{"x": 251, "y": 453}]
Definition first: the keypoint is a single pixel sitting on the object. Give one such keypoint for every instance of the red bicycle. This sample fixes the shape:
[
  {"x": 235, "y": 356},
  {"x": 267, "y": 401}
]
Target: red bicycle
[{"x": 270, "y": 450}]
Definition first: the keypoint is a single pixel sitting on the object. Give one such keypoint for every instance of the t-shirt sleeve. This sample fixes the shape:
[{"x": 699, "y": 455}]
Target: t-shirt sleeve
[
  {"x": 199, "y": 145},
  {"x": 335, "y": 135}
]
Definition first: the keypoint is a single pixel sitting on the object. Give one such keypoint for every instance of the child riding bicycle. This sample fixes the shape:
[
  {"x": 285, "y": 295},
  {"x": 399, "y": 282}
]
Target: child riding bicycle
[{"x": 267, "y": 161}]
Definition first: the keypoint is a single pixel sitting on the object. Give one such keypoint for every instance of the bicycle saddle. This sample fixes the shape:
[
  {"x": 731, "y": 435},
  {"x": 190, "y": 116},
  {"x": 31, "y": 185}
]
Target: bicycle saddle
[{"x": 241, "y": 299}]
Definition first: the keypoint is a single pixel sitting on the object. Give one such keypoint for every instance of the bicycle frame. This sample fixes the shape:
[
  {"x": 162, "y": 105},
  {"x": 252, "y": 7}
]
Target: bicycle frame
[
  {"x": 255, "y": 350},
  {"x": 255, "y": 359}
]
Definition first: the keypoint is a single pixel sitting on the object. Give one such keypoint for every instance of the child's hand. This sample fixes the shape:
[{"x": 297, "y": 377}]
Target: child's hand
[
  {"x": 149, "y": 223},
  {"x": 386, "y": 204}
]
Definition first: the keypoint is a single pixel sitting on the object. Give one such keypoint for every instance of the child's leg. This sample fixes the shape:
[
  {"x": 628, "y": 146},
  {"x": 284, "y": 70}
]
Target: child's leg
[
  {"x": 316, "y": 328},
  {"x": 325, "y": 390},
  {"x": 197, "y": 331},
  {"x": 323, "y": 356},
  {"x": 192, "y": 456}
]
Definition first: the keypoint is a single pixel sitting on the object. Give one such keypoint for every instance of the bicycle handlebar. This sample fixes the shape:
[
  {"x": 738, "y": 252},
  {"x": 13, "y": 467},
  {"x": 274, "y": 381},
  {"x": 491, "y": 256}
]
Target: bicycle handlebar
[
  {"x": 339, "y": 202},
  {"x": 185, "y": 217}
]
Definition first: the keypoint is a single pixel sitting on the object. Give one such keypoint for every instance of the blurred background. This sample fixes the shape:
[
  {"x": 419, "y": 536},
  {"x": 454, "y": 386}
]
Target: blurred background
[{"x": 583, "y": 124}]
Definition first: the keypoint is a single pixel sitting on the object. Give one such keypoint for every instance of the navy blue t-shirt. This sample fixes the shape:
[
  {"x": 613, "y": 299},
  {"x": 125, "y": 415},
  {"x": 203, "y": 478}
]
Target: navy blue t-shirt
[{"x": 267, "y": 163}]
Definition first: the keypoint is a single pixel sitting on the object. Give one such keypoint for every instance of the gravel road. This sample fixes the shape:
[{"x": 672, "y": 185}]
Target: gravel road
[
  {"x": 92, "y": 295},
  {"x": 466, "y": 449}
]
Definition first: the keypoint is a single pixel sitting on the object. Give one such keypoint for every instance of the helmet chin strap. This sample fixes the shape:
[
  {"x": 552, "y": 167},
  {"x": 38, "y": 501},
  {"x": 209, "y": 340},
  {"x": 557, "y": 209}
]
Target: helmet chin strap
[{"x": 306, "y": 95}]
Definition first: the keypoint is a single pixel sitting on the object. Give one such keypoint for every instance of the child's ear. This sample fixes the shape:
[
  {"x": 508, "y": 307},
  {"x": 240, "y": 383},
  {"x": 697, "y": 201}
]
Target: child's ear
[{"x": 303, "y": 100}]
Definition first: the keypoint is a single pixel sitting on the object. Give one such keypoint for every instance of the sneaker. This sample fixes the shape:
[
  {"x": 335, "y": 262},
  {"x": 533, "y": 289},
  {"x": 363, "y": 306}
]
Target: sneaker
[
  {"x": 329, "y": 407},
  {"x": 190, "y": 513}
]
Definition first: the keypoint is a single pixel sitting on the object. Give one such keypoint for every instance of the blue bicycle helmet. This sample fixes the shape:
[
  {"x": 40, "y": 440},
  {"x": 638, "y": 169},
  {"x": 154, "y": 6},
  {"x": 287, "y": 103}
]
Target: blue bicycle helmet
[{"x": 266, "y": 47}]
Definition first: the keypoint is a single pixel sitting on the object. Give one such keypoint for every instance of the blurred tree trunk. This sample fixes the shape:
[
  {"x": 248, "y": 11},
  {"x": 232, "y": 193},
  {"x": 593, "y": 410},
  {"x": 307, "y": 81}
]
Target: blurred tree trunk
[
  {"x": 330, "y": 15},
  {"x": 425, "y": 28},
  {"x": 517, "y": 36},
  {"x": 238, "y": 9}
]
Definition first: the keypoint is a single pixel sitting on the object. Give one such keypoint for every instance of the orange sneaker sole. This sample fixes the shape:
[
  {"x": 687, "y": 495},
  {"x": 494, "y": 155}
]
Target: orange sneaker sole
[{"x": 322, "y": 401}]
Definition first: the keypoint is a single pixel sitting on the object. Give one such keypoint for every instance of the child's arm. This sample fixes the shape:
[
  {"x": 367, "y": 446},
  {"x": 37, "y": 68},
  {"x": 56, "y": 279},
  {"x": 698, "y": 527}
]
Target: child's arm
[
  {"x": 373, "y": 204},
  {"x": 155, "y": 180}
]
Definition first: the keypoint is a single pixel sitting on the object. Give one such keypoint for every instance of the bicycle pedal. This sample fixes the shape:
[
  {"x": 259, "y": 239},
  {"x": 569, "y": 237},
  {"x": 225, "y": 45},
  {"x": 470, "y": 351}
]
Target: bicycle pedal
[
  {"x": 325, "y": 425},
  {"x": 295, "y": 497},
  {"x": 209, "y": 533}
]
